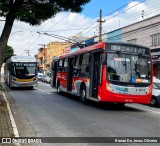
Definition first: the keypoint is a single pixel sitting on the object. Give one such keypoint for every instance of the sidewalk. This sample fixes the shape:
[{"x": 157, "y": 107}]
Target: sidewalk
[{"x": 5, "y": 122}]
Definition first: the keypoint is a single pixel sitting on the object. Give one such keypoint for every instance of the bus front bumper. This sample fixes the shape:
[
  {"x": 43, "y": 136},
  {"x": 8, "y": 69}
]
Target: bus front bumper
[{"x": 24, "y": 84}]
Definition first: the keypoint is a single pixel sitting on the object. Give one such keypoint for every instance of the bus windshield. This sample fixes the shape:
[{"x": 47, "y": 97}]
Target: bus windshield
[
  {"x": 24, "y": 70},
  {"x": 124, "y": 67}
]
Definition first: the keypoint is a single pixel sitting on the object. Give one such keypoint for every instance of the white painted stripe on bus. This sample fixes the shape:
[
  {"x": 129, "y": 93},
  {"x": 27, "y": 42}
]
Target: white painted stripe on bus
[
  {"x": 144, "y": 109},
  {"x": 42, "y": 90}
]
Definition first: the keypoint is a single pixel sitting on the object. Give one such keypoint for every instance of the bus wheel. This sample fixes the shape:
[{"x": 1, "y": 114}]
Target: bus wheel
[
  {"x": 153, "y": 101},
  {"x": 83, "y": 98},
  {"x": 31, "y": 87},
  {"x": 120, "y": 104},
  {"x": 58, "y": 88}
]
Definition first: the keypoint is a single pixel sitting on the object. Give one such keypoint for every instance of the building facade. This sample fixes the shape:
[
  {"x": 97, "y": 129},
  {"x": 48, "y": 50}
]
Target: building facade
[
  {"x": 55, "y": 49},
  {"x": 42, "y": 53},
  {"x": 145, "y": 32}
]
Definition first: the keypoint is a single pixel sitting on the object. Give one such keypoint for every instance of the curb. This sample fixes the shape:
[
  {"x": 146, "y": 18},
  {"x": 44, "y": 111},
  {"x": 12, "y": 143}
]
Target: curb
[{"x": 14, "y": 127}]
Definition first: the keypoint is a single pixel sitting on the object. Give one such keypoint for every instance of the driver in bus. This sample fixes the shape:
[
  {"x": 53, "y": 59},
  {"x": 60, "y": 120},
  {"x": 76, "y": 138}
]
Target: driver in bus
[{"x": 26, "y": 71}]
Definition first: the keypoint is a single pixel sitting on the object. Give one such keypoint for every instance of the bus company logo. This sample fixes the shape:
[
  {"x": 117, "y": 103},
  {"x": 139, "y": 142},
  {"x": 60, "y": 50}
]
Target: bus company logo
[
  {"x": 122, "y": 89},
  {"x": 6, "y": 140}
]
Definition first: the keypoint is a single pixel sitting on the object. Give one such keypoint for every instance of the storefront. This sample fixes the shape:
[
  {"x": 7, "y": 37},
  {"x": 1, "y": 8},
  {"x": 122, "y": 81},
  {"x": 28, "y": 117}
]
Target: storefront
[{"x": 156, "y": 62}]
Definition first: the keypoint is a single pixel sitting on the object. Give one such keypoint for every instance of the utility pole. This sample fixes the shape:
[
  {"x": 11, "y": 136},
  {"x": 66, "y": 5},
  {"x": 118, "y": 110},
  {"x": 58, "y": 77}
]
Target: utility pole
[
  {"x": 100, "y": 26},
  {"x": 44, "y": 58},
  {"x": 28, "y": 52}
]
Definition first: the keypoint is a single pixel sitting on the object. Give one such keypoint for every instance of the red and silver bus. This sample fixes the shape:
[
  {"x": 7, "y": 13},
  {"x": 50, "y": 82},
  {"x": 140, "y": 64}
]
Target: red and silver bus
[{"x": 108, "y": 72}]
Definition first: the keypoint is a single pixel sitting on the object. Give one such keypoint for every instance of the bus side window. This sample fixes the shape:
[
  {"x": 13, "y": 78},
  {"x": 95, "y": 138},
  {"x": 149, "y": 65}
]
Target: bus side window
[
  {"x": 60, "y": 65},
  {"x": 85, "y": 67},
  {"x": 65, "y": 68},
  {"x": 76, "y": 66}
]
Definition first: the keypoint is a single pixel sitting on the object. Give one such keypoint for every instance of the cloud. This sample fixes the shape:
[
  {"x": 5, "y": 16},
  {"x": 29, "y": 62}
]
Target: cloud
[
  {"x": 68, "y": 24},
  {"x": 133, "y": 13}
]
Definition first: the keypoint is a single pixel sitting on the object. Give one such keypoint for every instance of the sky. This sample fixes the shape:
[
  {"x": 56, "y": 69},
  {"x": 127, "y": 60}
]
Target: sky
[
  {"x": 93, "y": 7},
  {"x": 116, "y": 13}
]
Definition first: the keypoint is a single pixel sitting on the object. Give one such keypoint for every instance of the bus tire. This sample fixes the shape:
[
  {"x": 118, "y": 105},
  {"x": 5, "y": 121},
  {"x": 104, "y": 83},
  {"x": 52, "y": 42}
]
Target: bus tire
[
  {"x": 83, "y": 98},
  {"x": 120, "y": 104},
  {"x": 58, "y": 88},
  {"x": 31, "y": 87},
  {"x": 153, "y": 101}
]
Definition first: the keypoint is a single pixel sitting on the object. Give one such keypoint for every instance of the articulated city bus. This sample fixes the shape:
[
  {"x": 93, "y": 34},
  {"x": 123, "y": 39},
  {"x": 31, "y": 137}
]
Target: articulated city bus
[
  {"x": 108, "y": 72},
  {"x": 21, "y": 71}
]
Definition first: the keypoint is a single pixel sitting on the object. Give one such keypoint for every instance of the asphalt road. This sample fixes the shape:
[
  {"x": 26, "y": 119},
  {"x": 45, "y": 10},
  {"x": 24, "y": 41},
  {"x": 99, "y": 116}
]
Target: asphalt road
[{"x": 51, "y": 115}]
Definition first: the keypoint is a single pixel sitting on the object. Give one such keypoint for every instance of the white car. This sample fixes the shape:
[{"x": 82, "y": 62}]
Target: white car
[
  {"x": 156, "y": 80},
  {"x": 155, "y": 101},
  {"x": 48, "y": 79},
  {"x": 40, "y": 75}
]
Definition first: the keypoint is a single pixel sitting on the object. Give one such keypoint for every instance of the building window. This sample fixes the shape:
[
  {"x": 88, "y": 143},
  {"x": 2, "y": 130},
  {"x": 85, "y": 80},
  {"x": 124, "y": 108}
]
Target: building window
[
  {"x": 133, "y": 41},
  {"x": 155, "y": 39}
]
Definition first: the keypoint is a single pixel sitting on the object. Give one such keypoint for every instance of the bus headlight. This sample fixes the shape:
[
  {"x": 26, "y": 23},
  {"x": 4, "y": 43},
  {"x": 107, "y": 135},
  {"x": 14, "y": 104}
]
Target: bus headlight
[
  {"x": 13, "y": 78},
  {"x": 149, "y": 90},
  {"x": 108, "y": 87}
]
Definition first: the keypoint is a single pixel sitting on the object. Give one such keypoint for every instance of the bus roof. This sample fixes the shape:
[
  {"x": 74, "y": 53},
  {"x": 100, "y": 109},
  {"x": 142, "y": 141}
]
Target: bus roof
[
  {"x": 83, "y": 50},
  {"x": 23, "y": 59},
  {"x": 125, "y": 43},
  {"x": 94, "y": 47}
]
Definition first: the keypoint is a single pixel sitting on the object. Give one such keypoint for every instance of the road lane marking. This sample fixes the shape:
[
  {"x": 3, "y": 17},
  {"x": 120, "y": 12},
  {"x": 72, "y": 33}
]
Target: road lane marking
[
  {"x": 42, "y": 90},
  {"x": 13, "y": 123},
  {"x": 127, "y": 105},
  {"x": 144, "y": 109}
]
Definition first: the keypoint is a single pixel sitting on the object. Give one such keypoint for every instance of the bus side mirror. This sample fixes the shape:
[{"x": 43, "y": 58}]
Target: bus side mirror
[{"x": 103, "y": 58}]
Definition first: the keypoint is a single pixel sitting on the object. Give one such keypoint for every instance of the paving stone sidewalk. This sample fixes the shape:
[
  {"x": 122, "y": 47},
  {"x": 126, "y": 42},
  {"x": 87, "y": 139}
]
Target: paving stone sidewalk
[{"x": 5, "y": 122}]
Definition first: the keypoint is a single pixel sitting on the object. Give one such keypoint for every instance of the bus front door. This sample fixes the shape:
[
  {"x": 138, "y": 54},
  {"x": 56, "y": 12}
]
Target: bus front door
[
  {"x": 70, "y": 74},
  {"x": 95, "y": 74},
  {"x": 54, "y": 74}
]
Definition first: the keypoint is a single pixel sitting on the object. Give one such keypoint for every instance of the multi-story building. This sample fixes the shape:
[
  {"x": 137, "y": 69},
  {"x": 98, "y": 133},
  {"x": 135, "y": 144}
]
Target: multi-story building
[
  {"x": 46, "y": 54},
  {"x": 145, "y": 32},
  {"x": 55, "y": 49},
  {"x": 42, "y": 53}
]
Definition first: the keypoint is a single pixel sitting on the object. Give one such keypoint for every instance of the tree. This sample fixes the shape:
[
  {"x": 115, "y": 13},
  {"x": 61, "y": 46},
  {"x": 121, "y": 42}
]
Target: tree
[
  {"x": 33, "y": 12},
  {"x": 8, "y": 52}
]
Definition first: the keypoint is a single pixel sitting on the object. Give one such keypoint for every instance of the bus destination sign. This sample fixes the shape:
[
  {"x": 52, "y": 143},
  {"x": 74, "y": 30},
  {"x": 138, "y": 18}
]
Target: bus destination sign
[{"x": 128, "y": 49}]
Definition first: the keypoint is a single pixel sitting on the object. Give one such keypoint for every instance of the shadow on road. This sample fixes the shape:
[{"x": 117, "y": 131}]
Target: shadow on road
[{"x": 102, "y": 105}]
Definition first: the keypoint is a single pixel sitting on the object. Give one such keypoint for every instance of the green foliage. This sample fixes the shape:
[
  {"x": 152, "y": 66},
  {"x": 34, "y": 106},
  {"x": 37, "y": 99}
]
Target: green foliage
[
  {"x": 8, "y": 52},
  {"x": 35, "y": 12},
  {"x": 1, "y": 88}
]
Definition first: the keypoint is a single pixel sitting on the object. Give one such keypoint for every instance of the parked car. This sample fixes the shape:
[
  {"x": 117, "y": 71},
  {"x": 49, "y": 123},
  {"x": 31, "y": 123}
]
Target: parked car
[
  {"x": 40, "y": 76},
  {"x": 156, "y": 80},
  {"x": 44, "y": 78},
  {"x": 48, "y": 79},
  {"x": 155, "y": 101}
]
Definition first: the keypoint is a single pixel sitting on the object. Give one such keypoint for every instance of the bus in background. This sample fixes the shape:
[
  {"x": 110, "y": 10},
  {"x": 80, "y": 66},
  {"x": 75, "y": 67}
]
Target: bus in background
[
  {"x": 108, "y": 72},
  {"x": 21, "y": 71}
]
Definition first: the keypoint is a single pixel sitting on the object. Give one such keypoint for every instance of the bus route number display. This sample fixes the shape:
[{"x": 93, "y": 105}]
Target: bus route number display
[{"x": 128, "y": 49}]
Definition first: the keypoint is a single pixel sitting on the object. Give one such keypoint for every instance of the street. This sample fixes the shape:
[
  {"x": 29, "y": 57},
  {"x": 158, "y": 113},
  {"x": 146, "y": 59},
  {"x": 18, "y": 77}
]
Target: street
[{"x": 51, "y": 115}]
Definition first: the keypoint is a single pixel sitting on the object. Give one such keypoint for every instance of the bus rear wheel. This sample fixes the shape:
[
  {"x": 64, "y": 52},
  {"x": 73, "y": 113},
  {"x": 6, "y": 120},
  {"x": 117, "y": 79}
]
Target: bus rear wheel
[
  {"x": 83, "y": 98},
  {"x": 120, "y": 104},
  {"x": 153, "y": 101}
]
